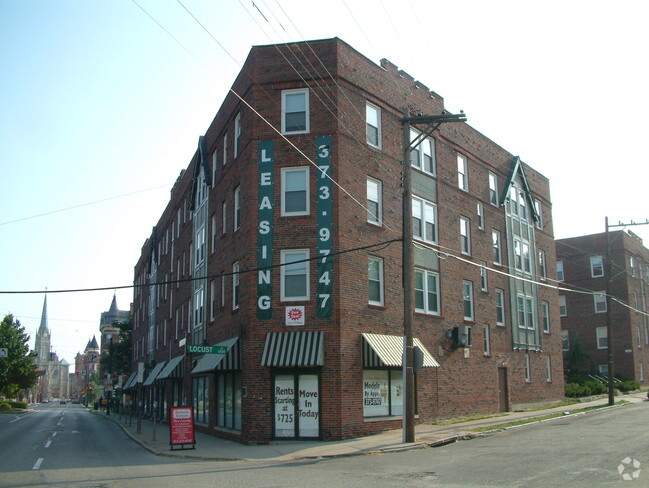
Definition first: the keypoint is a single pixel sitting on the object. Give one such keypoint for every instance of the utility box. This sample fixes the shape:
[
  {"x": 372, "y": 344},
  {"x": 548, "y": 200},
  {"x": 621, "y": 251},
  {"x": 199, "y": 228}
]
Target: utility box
[{"x": 461, "y": 336}]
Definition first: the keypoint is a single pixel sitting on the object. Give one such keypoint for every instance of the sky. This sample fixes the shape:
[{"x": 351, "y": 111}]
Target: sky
[{"x": 102, "y": 104}]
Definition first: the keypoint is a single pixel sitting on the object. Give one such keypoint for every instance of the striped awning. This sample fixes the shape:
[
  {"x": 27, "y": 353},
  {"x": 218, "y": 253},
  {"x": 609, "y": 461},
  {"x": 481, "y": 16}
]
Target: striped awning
[
  {"x": 130, "y": 382},
  {"x": 385, "y": 350},
  {"x": 304, "y": 348},
  {"x": 154, "y": 374},
  {"x": 173, "y": 369},
  {"x": 230, "y": 361}
]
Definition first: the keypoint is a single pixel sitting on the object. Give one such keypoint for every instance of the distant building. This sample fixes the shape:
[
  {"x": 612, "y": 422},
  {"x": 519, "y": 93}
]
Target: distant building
[
  {"x": 581, "y": 263},
  {"x": 109, "y": 334},
  {"x": 283, "y": 247},
  {"x": 85, "y": 364}
]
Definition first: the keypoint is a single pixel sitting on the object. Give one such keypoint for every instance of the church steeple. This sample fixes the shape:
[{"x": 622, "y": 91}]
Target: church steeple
[{"x": 43, "y": 327}]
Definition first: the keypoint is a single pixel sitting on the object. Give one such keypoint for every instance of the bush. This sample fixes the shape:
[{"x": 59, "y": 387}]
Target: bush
[
  {"x": 575, "y": 390},
  {"x": 596, "y": 388},
  {"x": 628, "y": 385},
  {"x": 4, "y": 407}
]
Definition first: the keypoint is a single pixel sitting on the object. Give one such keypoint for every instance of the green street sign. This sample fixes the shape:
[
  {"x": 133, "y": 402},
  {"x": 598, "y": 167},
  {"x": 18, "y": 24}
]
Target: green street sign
[{"x": 196, "y": 349}]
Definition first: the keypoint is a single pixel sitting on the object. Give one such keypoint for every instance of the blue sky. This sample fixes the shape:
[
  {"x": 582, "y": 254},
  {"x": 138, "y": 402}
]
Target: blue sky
[{"x": 97, "y": 101}]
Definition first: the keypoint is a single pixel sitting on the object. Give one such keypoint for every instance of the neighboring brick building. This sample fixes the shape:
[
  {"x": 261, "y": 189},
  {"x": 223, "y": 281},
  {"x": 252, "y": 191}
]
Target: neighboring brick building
[
  {"x": 582, "y": 264},
  {"x": 312, "y": 344}
]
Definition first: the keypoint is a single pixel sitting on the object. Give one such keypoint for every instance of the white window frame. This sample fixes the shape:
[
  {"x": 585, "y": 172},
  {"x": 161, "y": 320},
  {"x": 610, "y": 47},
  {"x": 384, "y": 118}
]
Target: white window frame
[
  {"x": 462, "y": 172},
  {"x": 374, "y": 190},
  {"x": 486, "y": 339},
  {"x": 565, "y": 340},
  {"x": 539, "y": 213},
  {"x": 426, "y": 213},
  {"x": 496, "y": 244},
  {"x": 500, "y": 305},
  {"x": 545, "y": 316},
  {"x": 236, "y": 283},
  {"x": 225, "y": 149},
  {"x": 237, "y": 134},
  {"x": 297, "y": 169},
  {"x": 543, "y": 273},
  {"x": 480, "y": 213},
  {"x": 465, "y": 236},
  {"x": 548, "y": 369},
  {"x": 563, "y": 308},
  {"x": 596, "y": 270},
  {"x": 212, "y": 304},
  {"x": 213, "y": 246},
  {"x": 224, "y": 217},
  {"x": 599, "y": 302},
  {"x": 428, "y": 308},
  {"x": 493, "y": 189},
  {"x": 288, "y": 270},
  {"x": 286, "y": 93},
  {"x": 426, "y": 148},
  {"x": 467, "y": 286},
  {"x": 200, "y": 246},
  {"x": 378, "y": 279},
  {"x": 372, "y": 110},
  {"x": 528, "y": 369},
  {"x": 560, "y": 273},
  {"x": 483, "y": 277},
  {"x": 236, "y": 215},
  {"x": 601, "y": 337}
]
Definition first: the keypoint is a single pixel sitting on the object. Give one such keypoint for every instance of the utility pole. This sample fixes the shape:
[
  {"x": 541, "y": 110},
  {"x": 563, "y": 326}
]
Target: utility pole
[
  {"x": 426, "y": 125},
  {"x": 609, "y": 302}
]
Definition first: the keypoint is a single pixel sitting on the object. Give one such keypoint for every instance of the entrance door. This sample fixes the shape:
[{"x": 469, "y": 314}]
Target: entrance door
[
  {"x": 503, "y": 393},
  {"x": 296, "y": 400}
]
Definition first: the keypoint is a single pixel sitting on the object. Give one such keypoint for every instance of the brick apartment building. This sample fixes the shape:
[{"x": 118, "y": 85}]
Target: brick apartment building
[
  {"x": 282, "y": 244},
  {"x": 582, "y": 264}
]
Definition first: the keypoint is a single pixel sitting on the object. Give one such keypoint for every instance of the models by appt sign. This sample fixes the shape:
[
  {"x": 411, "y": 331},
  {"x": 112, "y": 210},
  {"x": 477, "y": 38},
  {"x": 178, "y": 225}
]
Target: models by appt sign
[{"x": 181, "y": 427}]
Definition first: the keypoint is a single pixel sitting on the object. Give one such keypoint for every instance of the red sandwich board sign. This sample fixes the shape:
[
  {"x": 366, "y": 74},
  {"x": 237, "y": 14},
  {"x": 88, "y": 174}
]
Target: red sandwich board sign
[{"x": 181, "y": 427}]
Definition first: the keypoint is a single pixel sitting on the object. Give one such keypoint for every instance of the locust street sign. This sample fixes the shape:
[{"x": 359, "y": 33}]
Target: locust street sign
[
  {"x": 196, "y": 349},
  {"x": 3, "y": 352}
]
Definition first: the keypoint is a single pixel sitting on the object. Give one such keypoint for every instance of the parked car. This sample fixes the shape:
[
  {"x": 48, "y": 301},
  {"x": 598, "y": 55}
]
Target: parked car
[{"x": 63, "y": 401}]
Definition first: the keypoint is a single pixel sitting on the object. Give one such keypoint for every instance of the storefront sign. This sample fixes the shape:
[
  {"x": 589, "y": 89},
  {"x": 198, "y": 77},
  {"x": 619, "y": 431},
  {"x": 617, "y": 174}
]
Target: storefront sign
[
  {"x": 324, "y": 209},
  {"x": 181, "y": 426},
  {"x": 294, "y": 315},
  {"x": 198, "y": 349},
  {"x": 265, "y": 230}
]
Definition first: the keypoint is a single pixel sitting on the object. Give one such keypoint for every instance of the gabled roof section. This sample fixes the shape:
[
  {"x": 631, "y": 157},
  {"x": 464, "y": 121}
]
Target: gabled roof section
[
  {"x": 202, "y": 163},
  {"x": 517, "y": 169}
]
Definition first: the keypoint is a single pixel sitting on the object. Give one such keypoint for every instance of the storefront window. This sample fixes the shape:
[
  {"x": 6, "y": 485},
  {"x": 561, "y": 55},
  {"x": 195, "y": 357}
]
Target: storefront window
[
  {"x": 228, "y": 400},
  {"x": 382, "y": 393},
  {"x": 201, "y": 399}
]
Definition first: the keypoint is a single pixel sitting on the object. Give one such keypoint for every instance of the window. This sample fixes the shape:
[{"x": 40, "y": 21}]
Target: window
[
  {"x": 497, "y": 252},
  {"x": 237, "y": 135},
  {"x": 228, "y": 400},
  {"x": 525, "y": 312},
  {"x": 295, "y": 111},
  {"x": 213, "y": 246},
  {"x": 565, "y": 340},
  {"x": 199, "y": 300},
  {"x": 548, "y": 368},
  {"x": 487, "y": 340},
  {"x": 225, "y": 149},
  {"x": 465, "y": 236},
  {"x": 483, "y": 276},
  {"x": 427, "y": 298},
  {"x": 467, "y": 298},
  {"x": 500, "y": 307},
  {"x": 539, "y": 214},
  {"x": 375, "y": 280},
  {"x": 212, "y": 303},
  {"x": 294, "y": 275},
  {"x": 632, "y": 265},
  {"x": 563, "y": 310},
  {"x": 235, "y": 286},
  {"x": 596, "y": 266},
  {"x": 374, "y": 198},
  {"x": 542, "y": 269},
  {"x": 638, "y": 337},
  {"x": 545, "y": 316},
  {"x": 493, "y": 189},
  {"x": 600, "y": 302},
  {"x": 424, "y": 220},
  {"x": 295, "y": 191},
  {"x": 602, "y": 337},
  {"x": 373, "y": 125},
  {"x": 528, "y": 373},
  {"x": 462, "y": 176},
  {"x": 603, "y": 369},
  {"x": 237, "y": 207},
  {"x": 480, "y": 213},
  {"x": 201, "y": 399},
  {"x": 423, "y": 156},
  {"x": 215, "y": 159},
  {"x": 560, "y": 275},
  {"x": 200, "y": 246},
  {"x": 224, "y": 217},
  {"x": 382, "y": 392}
]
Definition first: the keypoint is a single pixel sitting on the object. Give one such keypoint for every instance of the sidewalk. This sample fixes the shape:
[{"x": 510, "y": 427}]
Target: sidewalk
[{"x": 155, "y": 437}]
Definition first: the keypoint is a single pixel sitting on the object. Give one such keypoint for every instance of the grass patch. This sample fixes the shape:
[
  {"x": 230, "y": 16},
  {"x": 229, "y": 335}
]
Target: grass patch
[
  {"x": 460, "y": 420},
  {"x": 540, "y": 418}
]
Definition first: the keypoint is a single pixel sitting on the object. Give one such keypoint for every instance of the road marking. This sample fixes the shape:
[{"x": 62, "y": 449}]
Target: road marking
[
  {"x": 54, "y": 434},
  {"x": 47, "y": 444},
  {"x": 38, "y": 463}
]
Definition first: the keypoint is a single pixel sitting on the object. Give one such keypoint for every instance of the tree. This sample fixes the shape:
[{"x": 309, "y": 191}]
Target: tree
[
  {"x": 18, "y": 370},
  {"x": 117, "y": 360}
]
